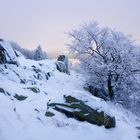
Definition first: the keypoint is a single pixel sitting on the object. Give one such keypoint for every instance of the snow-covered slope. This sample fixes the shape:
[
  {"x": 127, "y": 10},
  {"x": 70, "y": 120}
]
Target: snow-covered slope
[{"x": 40, "y": 82}]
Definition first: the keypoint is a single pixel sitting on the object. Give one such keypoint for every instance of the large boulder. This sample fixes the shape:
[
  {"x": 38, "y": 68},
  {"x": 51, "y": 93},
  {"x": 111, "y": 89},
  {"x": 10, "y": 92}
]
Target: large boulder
[
  {"x": 7, "y": 54},
  {"x": 62, "y": 64},
  {"x": 75, "y": 108}
]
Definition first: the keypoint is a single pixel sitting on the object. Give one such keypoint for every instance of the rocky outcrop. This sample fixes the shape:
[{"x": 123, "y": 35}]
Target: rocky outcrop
[
  {"x": 7, "y": 54},
  {"x": 75, "y": 108},
  {"x": 2, "y": 55},
  {"x": 34, "y": 89},
  {"x": 4, "y": 92},
  {"x": 49, "y": 114},
  {"x": 20, "y": 97},
  {"x": 62, "y": 64}
]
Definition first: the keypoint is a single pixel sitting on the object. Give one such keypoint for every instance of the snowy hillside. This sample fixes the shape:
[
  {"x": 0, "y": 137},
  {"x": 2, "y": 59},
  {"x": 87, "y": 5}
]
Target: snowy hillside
[{"x": 25, "y": 90}]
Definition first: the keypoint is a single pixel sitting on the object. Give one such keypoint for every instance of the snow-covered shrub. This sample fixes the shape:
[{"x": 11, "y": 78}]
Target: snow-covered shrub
[{"x": 39, "y": 54}]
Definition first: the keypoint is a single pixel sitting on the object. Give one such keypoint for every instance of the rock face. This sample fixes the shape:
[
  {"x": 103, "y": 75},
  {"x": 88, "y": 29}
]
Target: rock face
[
  {"x": 20, "y": 97},
  {"x": 75, "y": 108},
  {"x": 62, "y": 64},
  {"x": 7, "y": 54},
  {"x": 34, "y": 89},
  {"x": 49, "y": 114},
  {"x": 2, "y": 90},
  {"x": 2, "y": 55}
]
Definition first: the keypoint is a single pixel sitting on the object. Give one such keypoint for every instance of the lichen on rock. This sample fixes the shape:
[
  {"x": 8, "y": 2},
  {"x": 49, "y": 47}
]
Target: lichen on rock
[{"x": 75, "y": 108}]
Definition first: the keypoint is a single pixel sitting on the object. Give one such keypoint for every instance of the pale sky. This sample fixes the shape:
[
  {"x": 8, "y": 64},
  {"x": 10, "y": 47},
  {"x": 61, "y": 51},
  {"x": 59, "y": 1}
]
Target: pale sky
[{"x": 44, "y": 22}]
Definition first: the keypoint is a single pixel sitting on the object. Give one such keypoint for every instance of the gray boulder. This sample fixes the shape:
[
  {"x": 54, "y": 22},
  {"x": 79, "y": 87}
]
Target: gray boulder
[{"x": 62, "y": 64}]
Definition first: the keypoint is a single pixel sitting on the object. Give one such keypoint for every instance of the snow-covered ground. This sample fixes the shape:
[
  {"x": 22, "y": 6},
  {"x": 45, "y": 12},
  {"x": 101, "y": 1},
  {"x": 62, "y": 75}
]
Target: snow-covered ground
[{"x": 26, "y": 120}]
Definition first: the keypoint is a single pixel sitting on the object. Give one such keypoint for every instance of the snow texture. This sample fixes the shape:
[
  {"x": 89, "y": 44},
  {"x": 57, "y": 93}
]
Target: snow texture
[{"x": 26, "y": 120}]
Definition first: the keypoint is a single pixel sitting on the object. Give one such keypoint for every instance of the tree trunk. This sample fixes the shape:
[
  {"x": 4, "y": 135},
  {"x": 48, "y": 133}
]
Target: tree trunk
[{"x": 110, "y": 88}]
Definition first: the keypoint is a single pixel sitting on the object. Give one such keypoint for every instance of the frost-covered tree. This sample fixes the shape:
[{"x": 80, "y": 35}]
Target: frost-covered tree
[
  {"x": 39, "y": 54},
  {"x": 109, "y": 60}
]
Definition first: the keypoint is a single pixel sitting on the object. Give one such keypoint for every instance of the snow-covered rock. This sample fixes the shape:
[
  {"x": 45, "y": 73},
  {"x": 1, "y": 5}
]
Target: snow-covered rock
[
  {"x": 7, "y": 54},
  {"x": 62, "y": 64}
]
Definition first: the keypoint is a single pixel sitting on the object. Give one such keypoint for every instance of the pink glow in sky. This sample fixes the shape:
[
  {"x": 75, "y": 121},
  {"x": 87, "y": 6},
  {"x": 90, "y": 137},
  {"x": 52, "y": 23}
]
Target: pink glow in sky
[{"x": 44, "y": 22}]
